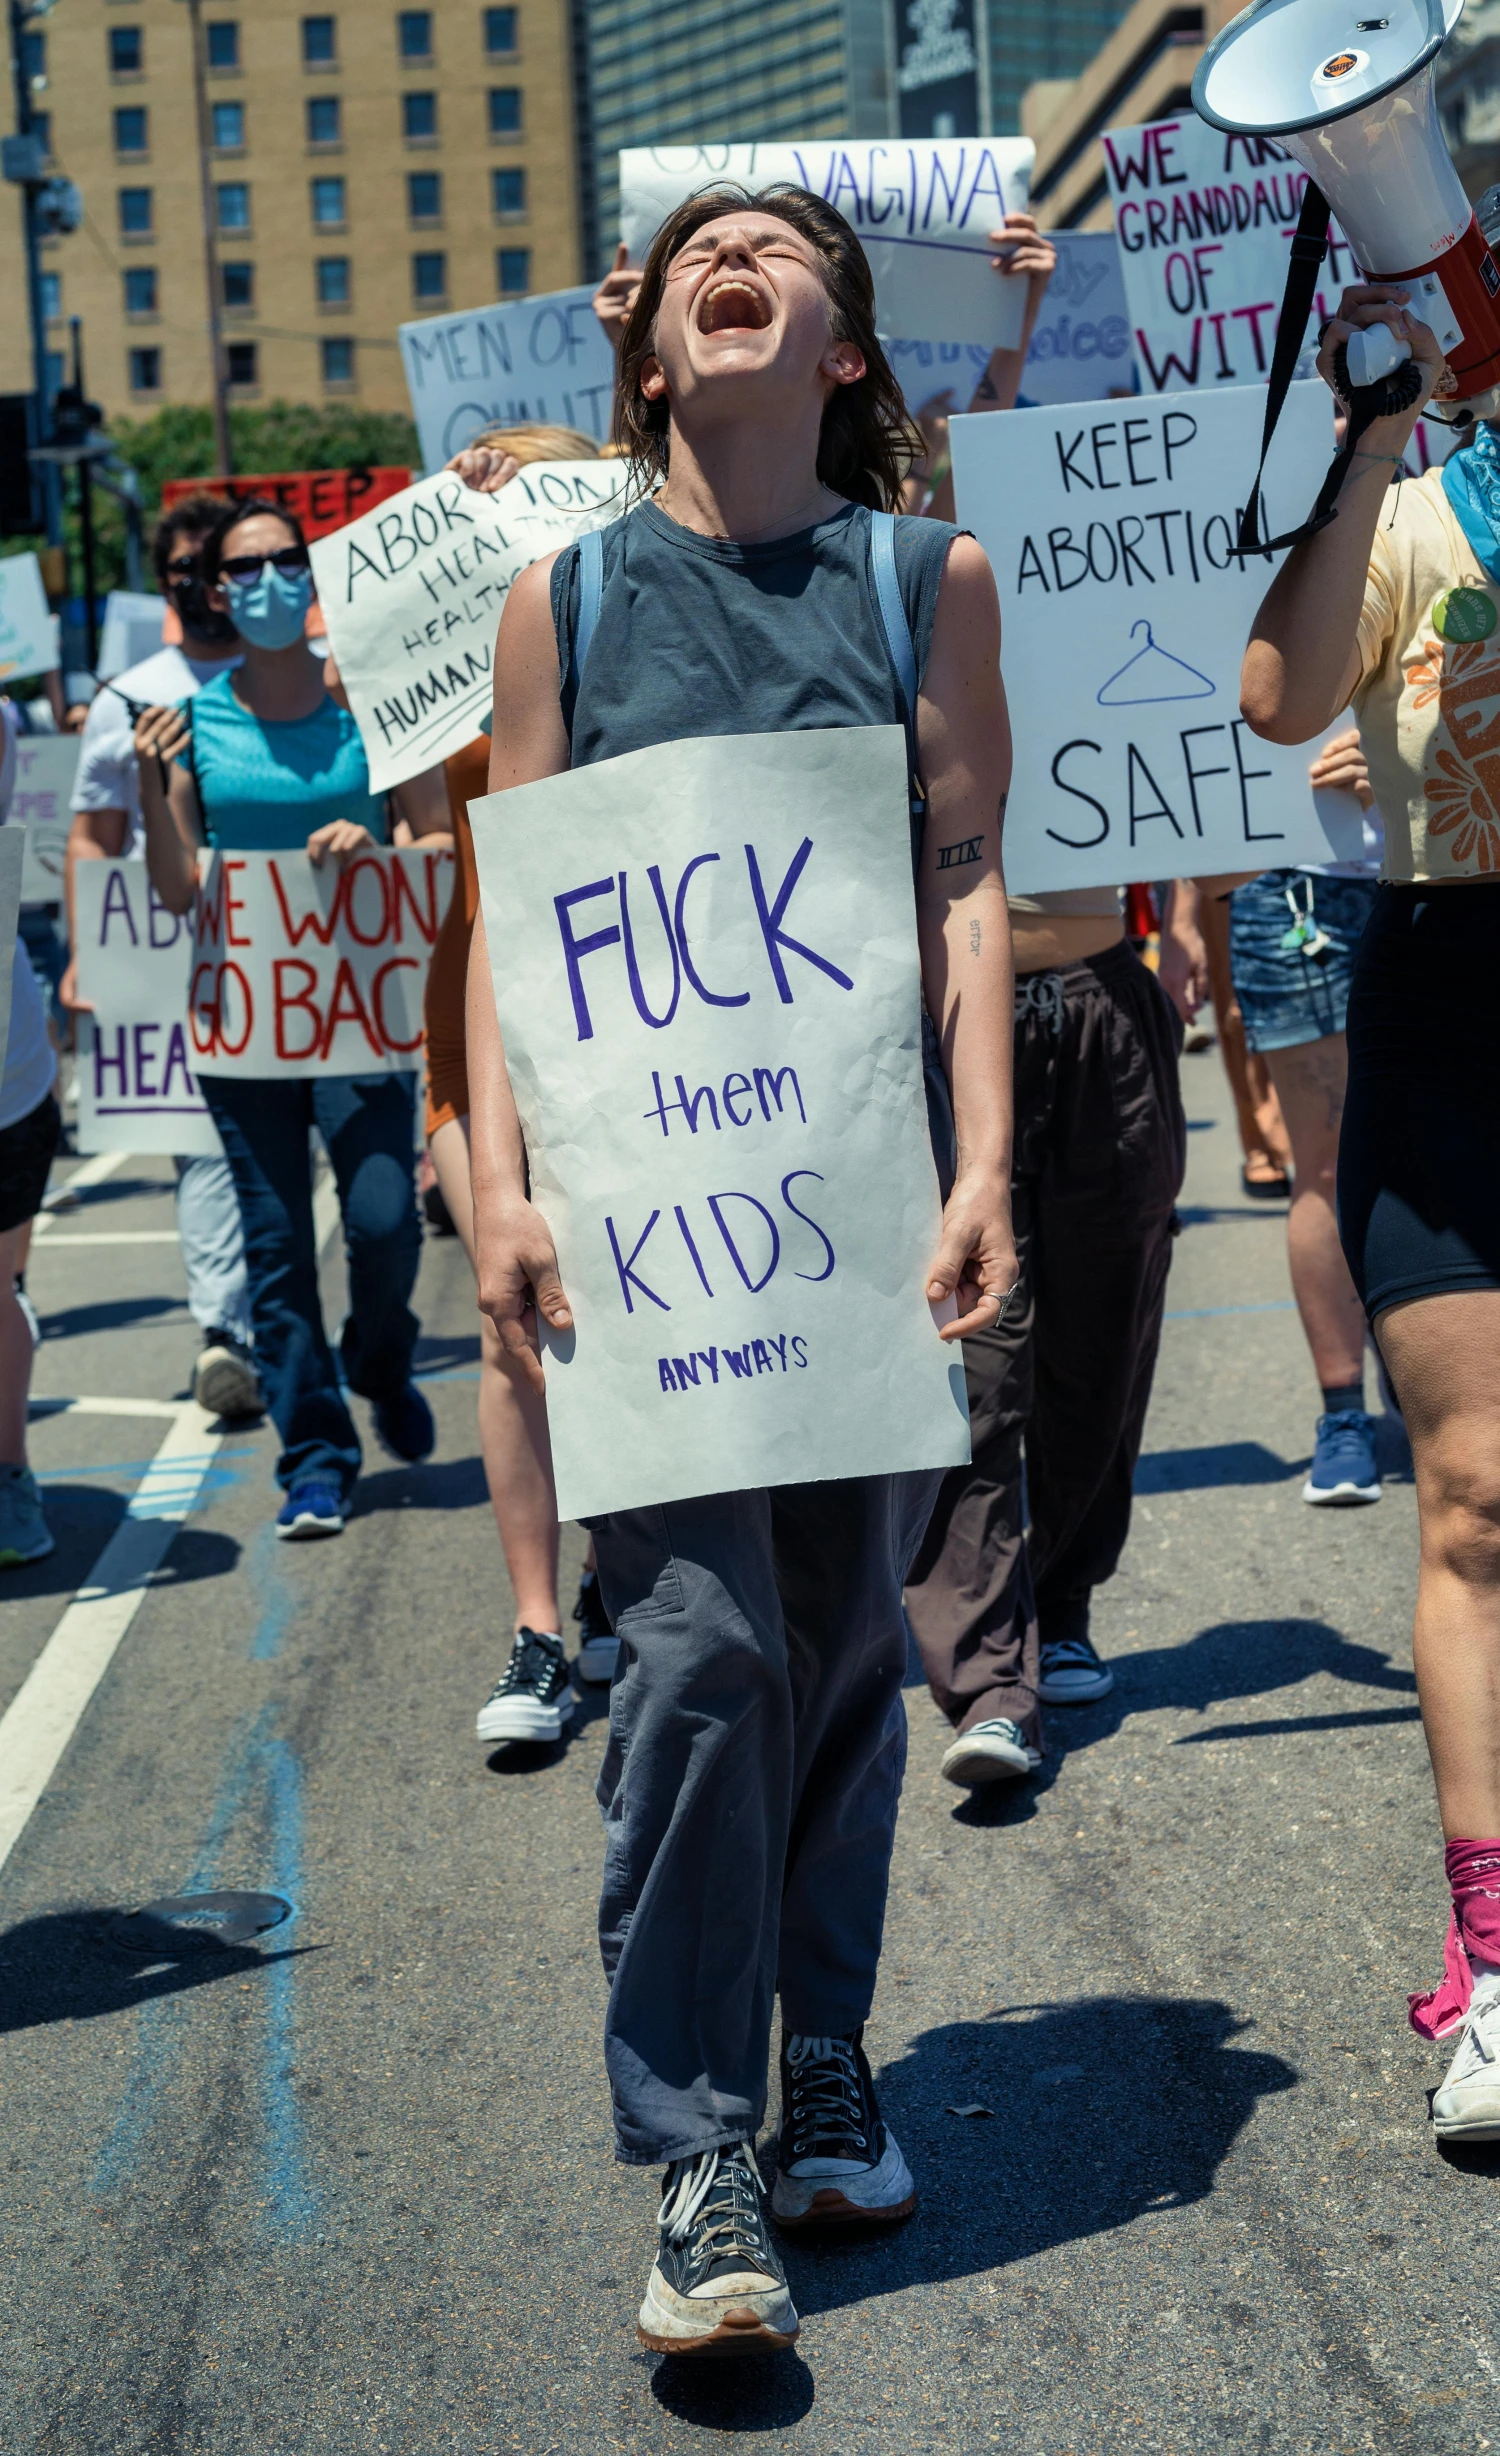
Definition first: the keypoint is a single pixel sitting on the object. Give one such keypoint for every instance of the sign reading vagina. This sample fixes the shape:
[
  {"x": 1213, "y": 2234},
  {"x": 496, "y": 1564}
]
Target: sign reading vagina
[{"x": 705, "y": 966}]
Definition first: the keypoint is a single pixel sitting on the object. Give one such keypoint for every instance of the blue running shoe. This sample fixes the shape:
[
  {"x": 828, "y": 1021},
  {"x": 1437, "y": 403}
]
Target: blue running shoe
[
  {"x": 404, "y": 1425},
  {"x": 313, "y": 1507},
  {"x": 1344, "y": 1472}
]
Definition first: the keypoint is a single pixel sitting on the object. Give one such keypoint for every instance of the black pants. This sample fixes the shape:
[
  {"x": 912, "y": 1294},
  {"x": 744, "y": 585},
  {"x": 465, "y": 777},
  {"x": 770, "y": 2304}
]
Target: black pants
[{"x": 1100, "y": 1150}]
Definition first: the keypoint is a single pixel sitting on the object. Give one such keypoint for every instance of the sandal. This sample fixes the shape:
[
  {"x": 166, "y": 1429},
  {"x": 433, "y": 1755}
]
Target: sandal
[{"x": 1262, "y": 1180}]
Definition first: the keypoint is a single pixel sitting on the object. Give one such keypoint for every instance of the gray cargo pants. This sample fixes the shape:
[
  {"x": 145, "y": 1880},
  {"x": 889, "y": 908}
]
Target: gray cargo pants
[{"x": 757, "y": 1739}]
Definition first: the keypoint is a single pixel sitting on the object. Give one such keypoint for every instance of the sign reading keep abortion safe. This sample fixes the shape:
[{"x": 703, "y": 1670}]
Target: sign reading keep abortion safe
[
  {"x": 1111, "y": 529},
  {"x": 543, "y": 359},
  {"x": 707, "y": 983},
  {"x": 136, "y": 1089}
]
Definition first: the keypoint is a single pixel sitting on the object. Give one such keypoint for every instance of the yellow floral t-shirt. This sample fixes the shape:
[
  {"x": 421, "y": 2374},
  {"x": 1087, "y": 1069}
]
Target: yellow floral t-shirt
[{"x": 1429, "y": 708}]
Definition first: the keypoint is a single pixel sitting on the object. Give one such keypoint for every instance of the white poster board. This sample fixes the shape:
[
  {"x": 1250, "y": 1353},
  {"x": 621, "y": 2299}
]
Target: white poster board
[
  {"x": 924, "y": 208},
  {"x": 132, "y": 630},
  {"x": 412, "y": 594},
  {"x": 303, "y": 971},
  {"x": 543, "y": 360},
  {"x": 46, "y": 764},
  {"x": 11, "y": 849},
  {"x": 28, "y": 633},
  {"x": 1080, "y": 345},
  {"x": 1126, "y": 615},
  {"x": 707, "y": 980},
  {"x": 136, "y": 1090}
]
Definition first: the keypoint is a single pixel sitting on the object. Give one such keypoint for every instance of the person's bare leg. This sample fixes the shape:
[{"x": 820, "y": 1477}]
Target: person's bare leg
[
  {"x": 1443, "y": 1353},
  {"x": 1261, "y": 1131},
  {"x": 1310, "y": 1083},
  {"x": 513, "y": 1437},
  {"x": 15, "y": 1354}
]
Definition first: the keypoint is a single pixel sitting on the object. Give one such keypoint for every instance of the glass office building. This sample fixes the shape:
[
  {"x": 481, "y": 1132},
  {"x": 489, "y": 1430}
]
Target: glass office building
[{"x": 1032, "y": 39}]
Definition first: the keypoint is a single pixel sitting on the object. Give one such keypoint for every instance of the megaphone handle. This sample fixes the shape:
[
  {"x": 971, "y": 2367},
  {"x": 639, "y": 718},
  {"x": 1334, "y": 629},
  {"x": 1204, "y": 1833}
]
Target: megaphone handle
[{"x": 1309, "y": 247}]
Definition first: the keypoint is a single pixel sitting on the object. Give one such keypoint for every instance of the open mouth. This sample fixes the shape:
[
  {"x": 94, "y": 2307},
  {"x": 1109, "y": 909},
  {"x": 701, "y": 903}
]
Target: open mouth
[{"x": 731, "y": 305}]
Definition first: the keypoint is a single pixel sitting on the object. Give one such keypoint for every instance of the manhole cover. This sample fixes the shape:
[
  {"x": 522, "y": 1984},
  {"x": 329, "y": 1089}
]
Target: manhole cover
[{"x": 190, "y": 1922}]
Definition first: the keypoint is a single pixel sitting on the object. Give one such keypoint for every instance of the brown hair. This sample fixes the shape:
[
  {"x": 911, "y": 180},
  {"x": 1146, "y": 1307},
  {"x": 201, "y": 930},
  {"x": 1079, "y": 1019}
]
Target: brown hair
[
  {"x": 534, "y": 443},
  {"x": 229, "y": 517},
  {"x": 192, "y": 516},
  {"x": 867, "y": 442}
]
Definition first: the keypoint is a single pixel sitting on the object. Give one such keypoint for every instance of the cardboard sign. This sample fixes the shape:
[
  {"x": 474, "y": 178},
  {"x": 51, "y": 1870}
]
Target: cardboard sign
[
  {"x": 924, "y": 208},
  {"x": 321, "y": 499},
  {"x": 136, "y": 1090},
  {"x": 1111, "y": 533},
  {"x": 541, "y": 360},
  {"x": 707, "y": 980},
  {"x": 46, "y": 764},
  {"x": 28, "y": 633},
  {"x": 412, "y": 596},
  {"x": 11, "y": 849},
  {"x": 297, "y": 971},
  {"x": 1080, "y": 346}
]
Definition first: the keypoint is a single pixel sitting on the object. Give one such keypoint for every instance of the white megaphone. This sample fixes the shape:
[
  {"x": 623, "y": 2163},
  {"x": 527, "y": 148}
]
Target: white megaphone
[{"x": 1351, "y": 99}]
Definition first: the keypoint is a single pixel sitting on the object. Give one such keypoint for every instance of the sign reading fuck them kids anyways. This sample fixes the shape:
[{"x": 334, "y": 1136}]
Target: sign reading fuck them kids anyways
[
  {"x": 136, "y": 1090},
  {"x": 413, "y": 593},
  {"x": 1111, "y": 528},
  {"x": 705, "y": 966}
]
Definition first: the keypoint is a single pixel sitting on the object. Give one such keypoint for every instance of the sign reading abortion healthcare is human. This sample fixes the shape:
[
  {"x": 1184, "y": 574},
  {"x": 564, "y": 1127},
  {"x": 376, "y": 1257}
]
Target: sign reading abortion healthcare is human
[
  {"x": 136, "y": 1090},
  {"x": 543, "y": 359},
  {"x": 707, "y": 980},
  {"x": 1111, "y": 533},
  {"x": 924, "y": 209},
  {"x": 412, "y": 596},
  {"x": 303, "y": 971},
  {"x": 1080, "y": 347}
]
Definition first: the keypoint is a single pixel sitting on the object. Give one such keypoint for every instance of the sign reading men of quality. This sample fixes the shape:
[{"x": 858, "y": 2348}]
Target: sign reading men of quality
[
  {"x": 544, "y": 360},
  {"x": 303, "y": 971},
  {"x": 1111, "y": 533},
  {"x": 412, "y": 596},
  {"x": 707, "y": 981},
  {"x": 136, "y": 1090}
]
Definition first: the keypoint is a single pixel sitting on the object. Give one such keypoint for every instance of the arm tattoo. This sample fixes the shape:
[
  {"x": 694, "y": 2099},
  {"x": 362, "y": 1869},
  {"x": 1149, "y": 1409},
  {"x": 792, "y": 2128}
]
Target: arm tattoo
[
  {"x": 958, "y": 856},
  {"x": 974, "y": 937}
]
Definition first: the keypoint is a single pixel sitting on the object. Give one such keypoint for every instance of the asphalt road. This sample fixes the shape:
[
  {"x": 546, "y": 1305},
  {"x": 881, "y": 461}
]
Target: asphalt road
[{"x": 351, "y": 2189}]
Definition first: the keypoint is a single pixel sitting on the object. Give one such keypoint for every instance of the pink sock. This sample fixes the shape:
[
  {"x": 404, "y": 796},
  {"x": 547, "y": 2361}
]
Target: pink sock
[{"x": 1474, "y": 1929}]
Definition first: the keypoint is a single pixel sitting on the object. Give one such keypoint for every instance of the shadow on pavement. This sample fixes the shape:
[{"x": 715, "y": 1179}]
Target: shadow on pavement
[
  {"x": 1212, "y": 1468},
  {"x": 65, "y": 1966},
  {"x": 437, "y": 1354},
  {"x": 83, "y": 1321},
  {"x": 82, "y": 1518},
  {"x": 769, "y": 2394},
  {"x": 441, "y": 1483}
]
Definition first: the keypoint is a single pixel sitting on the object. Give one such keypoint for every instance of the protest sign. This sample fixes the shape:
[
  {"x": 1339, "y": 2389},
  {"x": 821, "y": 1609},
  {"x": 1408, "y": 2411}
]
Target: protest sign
[
  {"x": 46, "y": 764},
  {"x": 1126, "y": 613},
  {"x": 321, "y": 499},
  {"x": 134, "y": 1075},
  {"x": 133, "y": 631},
  {"x": 28, "y": 633},
  {"x": 11, "y": 849},
  {"x": 541, "y": 360},
  {"x": 705, "y": 962},
  {"x": 412, "y": 596},
  {"x": 303, "y": 971},
  {"x": 1079, "y": 349},
  {"x": 924, "y": 209}
]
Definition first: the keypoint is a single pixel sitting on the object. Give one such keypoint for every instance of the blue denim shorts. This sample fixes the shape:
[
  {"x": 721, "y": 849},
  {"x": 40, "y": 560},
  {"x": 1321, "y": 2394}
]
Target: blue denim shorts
[{"x": 1286, "y": 996}]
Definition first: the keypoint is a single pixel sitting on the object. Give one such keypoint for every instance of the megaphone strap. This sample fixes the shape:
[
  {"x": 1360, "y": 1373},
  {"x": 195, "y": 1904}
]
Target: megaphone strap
[{"x": 1309, "y": 248}]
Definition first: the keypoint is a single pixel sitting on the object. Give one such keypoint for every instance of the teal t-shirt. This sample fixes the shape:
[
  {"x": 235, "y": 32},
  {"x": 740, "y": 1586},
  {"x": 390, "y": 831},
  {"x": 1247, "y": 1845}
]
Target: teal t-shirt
[{"x": 265, "y": 788}]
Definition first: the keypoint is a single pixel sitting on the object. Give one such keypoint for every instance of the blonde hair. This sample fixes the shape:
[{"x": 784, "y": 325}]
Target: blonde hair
[{"x": 535, "y": 443}]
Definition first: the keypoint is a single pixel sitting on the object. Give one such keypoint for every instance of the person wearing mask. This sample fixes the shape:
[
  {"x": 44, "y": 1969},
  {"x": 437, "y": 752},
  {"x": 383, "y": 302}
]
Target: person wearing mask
[
  {"x": 107, "y": 823},
  {"x": 1393, "y": 609},
  {"x": 30, "y": 1131},
  {"x": 265, "y": 759}
]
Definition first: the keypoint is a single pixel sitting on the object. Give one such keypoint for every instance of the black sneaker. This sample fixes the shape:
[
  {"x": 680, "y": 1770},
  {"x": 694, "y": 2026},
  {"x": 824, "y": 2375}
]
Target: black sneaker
[
  {"x": 224, "y": 1378},
  {"x": 717, "y": 2286},
  {"x": 836, "y": 2164},
  {"x": 598, "y": 1646},
  {"x": 534, "y": 1699}
]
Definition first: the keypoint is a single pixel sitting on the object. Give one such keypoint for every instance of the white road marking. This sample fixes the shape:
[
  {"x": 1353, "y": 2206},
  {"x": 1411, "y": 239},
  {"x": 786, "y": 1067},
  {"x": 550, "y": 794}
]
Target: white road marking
[
  {"x": 92, "y": 1172},
  {"x": 325, "y": 1204},
  {"x": 170, "y": 1408},
  {"x": 114, "y": 1236},
  {"x": 48, "y": 1707}
]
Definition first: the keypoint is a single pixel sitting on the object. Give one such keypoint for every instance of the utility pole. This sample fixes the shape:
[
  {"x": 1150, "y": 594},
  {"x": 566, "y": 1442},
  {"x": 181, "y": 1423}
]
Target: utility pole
[
  {"x": 218, "y": 365},
  {"x": 25, "y": 167}
]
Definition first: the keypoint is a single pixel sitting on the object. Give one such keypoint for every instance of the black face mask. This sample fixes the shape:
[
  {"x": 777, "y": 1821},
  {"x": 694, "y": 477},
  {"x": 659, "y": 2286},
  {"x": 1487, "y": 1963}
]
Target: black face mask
[{"x": 199, "y": 619}]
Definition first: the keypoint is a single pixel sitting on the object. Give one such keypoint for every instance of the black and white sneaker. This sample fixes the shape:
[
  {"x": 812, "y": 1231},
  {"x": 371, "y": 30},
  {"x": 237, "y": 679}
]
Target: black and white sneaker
[
  {"x": 718, "y": 2285},
  {"x": 993, "y": 1751},
  {"x": 837, "y": 2165},
  {"x": 225, "y": 1381},
  {"x": 598, "y": 1646},
  {"x": 1071, "y": 1672},
  {"x": 534, "y": 1699}
]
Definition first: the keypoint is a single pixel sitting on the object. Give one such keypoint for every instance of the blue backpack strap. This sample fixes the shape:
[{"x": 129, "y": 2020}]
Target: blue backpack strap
[
  {"x": 892, "y": 612},
  {"x": 590, "y": 592}
]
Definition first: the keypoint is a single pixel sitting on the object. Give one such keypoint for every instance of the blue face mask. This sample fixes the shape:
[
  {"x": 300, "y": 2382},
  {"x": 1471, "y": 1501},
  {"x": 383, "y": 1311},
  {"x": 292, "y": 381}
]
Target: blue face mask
[{"x": 270, "y": 612}]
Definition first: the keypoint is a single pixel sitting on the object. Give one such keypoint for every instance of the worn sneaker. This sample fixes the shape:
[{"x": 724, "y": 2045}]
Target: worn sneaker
[
  {"x": 312, "y": 1508},
  {"x": 24, "y": 1532},
  {"x": 718, "y": 2285},
  {"x": 1071, "y": 1673},
  {"x": 1467, "y": 2107},
  {"x": 598, "y": 1646},
  {"x": 404, "y": 1425},
  {"x": 836, "y": 2164},
  {"x": 1344, "y": 1472},
  {"x": 534, "y": 1700},
  {"x": 995, "y": 1751},
  {"x": 224, "y": 1378}
]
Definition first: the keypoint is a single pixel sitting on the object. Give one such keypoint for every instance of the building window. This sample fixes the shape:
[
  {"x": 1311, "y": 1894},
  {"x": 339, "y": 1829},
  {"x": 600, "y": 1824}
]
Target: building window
[
  {"x": 418, "y": 117},
  {"x": 140, "y": 290},
  {"x": 508, "y": 194},
  {"x": 319, "y": 49},
  {"x": 505, "y": 110},
  {"x": 429, "y": 276},
  {"x": 135, "y": 213},
  {"x": 239, "y": 285},
  {"x": 130, "y": 129},
  {"x": 51, "y": 296},
  {"x": 234, "y": 205},
  {"x": 333, "y": 281},
  {"x": 325, "y": 124},
  {"x": 242, "y": 357},
  {"x": 228, "y": 121},
  {"x": 224, "y": 45},
  {"x": 126, "y": 51},
  {"x": 338, "y": 359},
  {"x": 414, "y": 34},
  {"x": 328, "y": 203},
  {"x": 424, "y": 196},
  {"x": 513, "y": 271},
  {"x": 499, "y": 32},
  {"x": 145, "y": 370}
]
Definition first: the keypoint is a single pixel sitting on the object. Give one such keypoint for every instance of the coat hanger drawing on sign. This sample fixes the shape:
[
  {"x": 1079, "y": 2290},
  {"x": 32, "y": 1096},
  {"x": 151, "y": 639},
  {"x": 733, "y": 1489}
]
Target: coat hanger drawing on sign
[{"x": 1153, "y": 673}]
